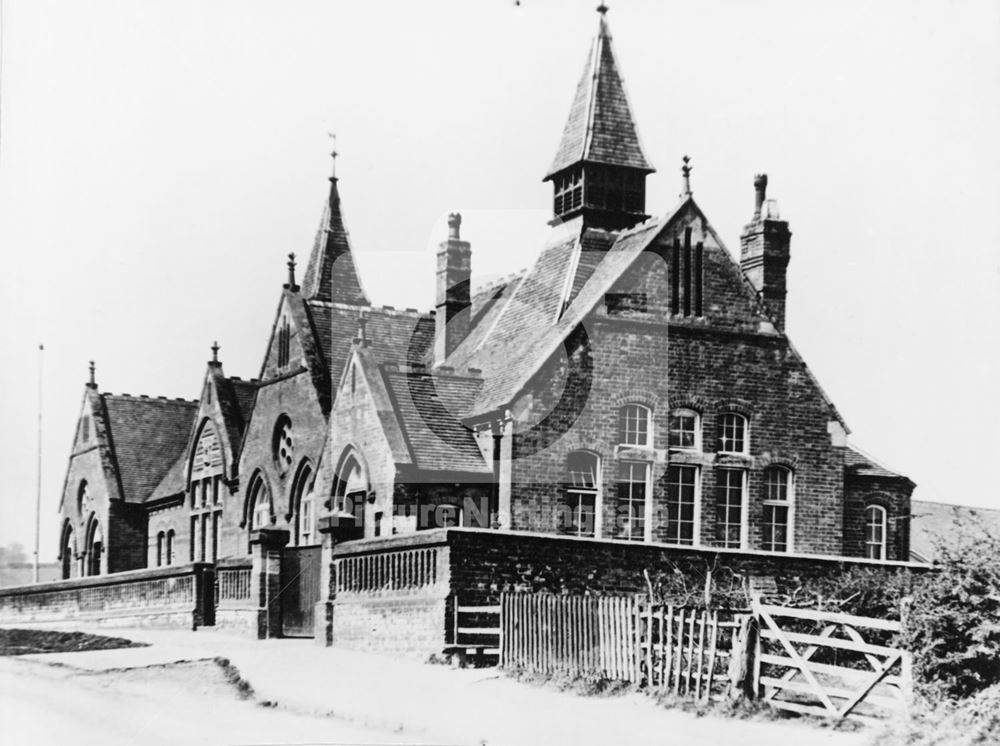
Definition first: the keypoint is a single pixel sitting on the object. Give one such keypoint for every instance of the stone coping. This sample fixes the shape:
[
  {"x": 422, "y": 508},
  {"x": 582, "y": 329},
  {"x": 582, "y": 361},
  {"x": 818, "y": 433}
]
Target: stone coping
[{"x": 118, "y": 578}]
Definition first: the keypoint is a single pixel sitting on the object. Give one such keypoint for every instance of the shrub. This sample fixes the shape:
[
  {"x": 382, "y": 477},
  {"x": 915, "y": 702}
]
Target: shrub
[{"x": 953, "y": 625}]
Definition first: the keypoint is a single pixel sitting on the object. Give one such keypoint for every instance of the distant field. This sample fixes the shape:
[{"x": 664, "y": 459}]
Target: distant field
[{"x": 25, "y": 641}]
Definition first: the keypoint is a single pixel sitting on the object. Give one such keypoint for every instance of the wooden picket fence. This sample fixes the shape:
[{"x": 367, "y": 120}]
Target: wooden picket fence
[
  {"x": 682, "y": 650},
  {"x": 821, "y": 663}
]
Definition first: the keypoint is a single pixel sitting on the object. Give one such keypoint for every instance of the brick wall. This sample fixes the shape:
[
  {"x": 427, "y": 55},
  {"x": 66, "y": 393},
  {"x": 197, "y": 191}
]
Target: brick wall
[
  {"x": 891, "y": 494},
  {"x": 413, "y": 627}
]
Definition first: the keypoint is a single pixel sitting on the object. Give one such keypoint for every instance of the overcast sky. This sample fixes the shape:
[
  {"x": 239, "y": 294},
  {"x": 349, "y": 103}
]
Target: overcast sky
[{"x": 158, "y": 160}]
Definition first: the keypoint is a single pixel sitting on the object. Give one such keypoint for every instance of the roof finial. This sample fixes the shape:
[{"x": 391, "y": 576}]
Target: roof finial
[
  {"x": 93, "y": 379},
  {"x": 291, "y": 273},
  {"x": 686, "y": 172},
  {"x": 215, "y": 352},
  {"x": 602, "y": 9},
  {"x": 333, "y": 155}
]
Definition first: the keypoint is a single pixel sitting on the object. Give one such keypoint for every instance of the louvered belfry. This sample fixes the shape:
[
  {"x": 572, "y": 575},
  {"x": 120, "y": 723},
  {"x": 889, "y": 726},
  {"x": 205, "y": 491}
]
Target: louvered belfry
[{"x": 600, "y": 170}]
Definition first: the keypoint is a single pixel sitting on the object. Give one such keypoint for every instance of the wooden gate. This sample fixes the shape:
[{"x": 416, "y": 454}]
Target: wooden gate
[
  {"x": 819, "y": 662},
  {"x": 300, "y": 591}
]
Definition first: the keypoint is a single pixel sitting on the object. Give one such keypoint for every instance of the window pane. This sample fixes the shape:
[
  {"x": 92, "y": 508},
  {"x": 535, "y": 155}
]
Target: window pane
[
  {"x": 634, "y": 425},
  {"x": 683, "y": 430},
  {"x": 632, "y": 500},
  {"x": 681, "y": 482},
  {"x": 732, "y": 433},
  {"x": 729, "y": 508}
]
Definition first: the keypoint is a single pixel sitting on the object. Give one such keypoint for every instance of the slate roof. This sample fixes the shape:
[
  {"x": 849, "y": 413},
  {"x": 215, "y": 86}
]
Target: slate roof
[
  {"x": 331, "y": 274},
  {"x": 236, "y": 400},
  {"x": 147, "y": 437},
  {"x": 859, "y": 463},
  {"x": 396, "y": 336},
  {"x": 600, "y": 128},
  {"x": 531, "y": 325},
  {"x": 934, "y": 523},
  {"x": 174, "y": 481},
  {"x": 429, "y": 408}
]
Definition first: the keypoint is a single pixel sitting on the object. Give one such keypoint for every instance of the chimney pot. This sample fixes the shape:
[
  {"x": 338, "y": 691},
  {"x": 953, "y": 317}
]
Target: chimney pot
[
  {"x": 454, "y": 226},
  {"x": 760, "y": 191}
]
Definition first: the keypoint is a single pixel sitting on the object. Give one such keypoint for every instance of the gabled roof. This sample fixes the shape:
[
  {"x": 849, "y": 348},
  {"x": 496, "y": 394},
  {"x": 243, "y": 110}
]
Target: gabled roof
[
  {"x": 600, "y": 128},
  {"x": 429, "y": 407},
  {"x": 331, "y": 274},
  {"x": 147, "y": 436},
  {"x": 859, "y": 463},
  {"x": 532, "y": 324},
  {"x": 933, "y": 524}
]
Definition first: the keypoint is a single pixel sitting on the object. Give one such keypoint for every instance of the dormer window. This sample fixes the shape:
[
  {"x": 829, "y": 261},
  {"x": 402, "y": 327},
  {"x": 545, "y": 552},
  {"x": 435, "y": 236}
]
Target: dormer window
[
  {"x": 732, "y": 433},
  {"x": 685, "y": 430},
  {"x": 635, "y": 425}
]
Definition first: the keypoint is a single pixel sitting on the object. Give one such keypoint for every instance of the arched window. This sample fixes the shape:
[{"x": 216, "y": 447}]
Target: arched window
[
  {"x": 282, "y": 445},
  {"x": 635, "y": 425},
  {"x": 170, "y": 547},
  {"x": 94, "y": 547},
  {"x": 351, "y": 486},
  {"x": 777, "y": 524},
  {"x": 84, "y": 502},
  {"x": 259, "y": 509},
  {"x": 733, "y": 433},
  {"x": 685, "y": 430},
  {"x": 161, "y": 540},
  {"x": 875, "y": 523},
  {"x": 582, "y": 490},
  {"x": 302, "y": 506},
  {"x": 67, "y": 550}
]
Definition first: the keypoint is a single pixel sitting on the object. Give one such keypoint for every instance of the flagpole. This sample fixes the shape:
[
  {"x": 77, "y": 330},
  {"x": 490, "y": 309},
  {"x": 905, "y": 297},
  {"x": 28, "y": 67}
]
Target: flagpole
[{"x": 38, "y": 491}]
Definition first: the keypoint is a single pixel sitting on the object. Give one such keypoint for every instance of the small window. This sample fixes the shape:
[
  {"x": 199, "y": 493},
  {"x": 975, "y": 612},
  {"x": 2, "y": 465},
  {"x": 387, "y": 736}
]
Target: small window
[
  {"x": 581, "y": 494},
  {"x": 732, "y": 433},
  {"x": 682, "y": 489},
  {"x": 284, "y": 345},
  {"x": 685, "y": 430},
  {"x": 160, "y": 542},
  {"x": 875, "y": 532},
  {"x": 632, "y": 487},
  {"x": 777, "y": 509},
  {"x": 170, "y": 547},
  {"x": 282, "y": 443},
  {"x": 635, "y": 425},
  {"x": 729, "y": 502}
]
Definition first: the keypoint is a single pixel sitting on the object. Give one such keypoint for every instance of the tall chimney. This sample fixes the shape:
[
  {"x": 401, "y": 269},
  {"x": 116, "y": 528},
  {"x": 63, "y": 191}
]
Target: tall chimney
[
  {"x": 765, "y": 252},
  {"x": 454, "y": 271}
]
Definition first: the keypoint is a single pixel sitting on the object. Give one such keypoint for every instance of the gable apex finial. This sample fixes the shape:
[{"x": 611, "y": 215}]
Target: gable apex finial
[
  {"x": 93, "y": 380},
  {"x": 215, "y": 352},
  {"x": 291, "y": 273},
  {"x": 333, "y": 155},
  {"x": 686, "y": 174},
  {"x": 602, "y": 9}
]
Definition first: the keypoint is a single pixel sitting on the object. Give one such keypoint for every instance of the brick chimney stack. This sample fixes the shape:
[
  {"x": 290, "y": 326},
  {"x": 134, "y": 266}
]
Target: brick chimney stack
[
  {"x": 454, "y": 273},
  {"x": 765, "y": 252}
]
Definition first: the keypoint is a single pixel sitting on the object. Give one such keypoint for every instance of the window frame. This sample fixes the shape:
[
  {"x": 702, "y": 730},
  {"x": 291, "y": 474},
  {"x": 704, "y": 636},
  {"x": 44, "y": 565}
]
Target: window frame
[
  {"x": 883, "y": 527},
  {"x": 788, "y": 503},
  {"x": 724, "y": 541},
  {"x": 720, "y": 434},
  {"x": 624, "y": 421},
  {"x": 695, "y": 505},
  {"x": 684, "y": 412},
  {"x": 625, "y": 531},
  {"x": 593, "y": 494}
]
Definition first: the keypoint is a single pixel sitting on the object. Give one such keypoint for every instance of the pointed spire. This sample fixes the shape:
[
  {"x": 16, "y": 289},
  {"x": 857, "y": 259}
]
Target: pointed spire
[
  {"x": 600, "y": 128},
  {"x": 330, "y": 274},
  {"x": 93, "y": 380},
  {"x": 686, "y": 177}
]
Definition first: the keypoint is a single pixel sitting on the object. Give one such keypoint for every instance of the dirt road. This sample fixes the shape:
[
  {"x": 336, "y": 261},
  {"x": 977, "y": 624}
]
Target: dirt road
[{"x": 189, "y": 703}]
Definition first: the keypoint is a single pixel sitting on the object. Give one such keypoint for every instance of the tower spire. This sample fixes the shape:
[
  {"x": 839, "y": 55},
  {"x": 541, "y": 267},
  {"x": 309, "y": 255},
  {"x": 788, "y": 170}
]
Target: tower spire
[
  {"x": 600, "y": 168},
  {"x": 331, "y": 274}
]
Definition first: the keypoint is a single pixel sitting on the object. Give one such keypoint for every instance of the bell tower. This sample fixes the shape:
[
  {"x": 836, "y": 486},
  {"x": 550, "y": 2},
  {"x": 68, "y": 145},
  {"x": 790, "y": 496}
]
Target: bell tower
[{"x": 600, "y": 170}]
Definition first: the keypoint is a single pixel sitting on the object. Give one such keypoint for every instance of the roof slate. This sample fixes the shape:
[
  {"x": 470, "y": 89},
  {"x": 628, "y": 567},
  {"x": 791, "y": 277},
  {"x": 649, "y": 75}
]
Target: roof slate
[
  {"x": 861, "y": 464},
  {"x": 147, "y": 435},
  {"x": 600, "y": 128},
  {"x": 933, "y": 524},
  {"x": 429, "y": 408},
  {"x": 331, "y": 274}
]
